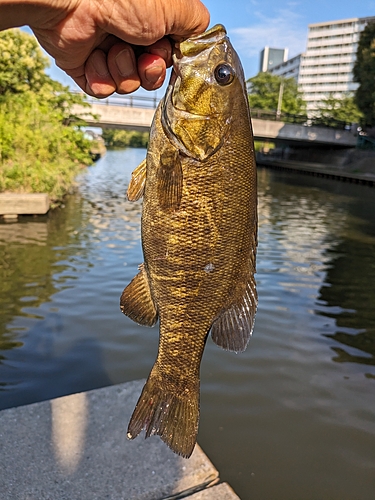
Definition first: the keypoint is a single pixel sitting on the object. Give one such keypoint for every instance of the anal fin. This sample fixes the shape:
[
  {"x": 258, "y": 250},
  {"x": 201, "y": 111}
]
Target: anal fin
[
  {"x": 136, "y": 300},
  {"x": 137, "y": 182},
  {"x": 233, "y": 328}
]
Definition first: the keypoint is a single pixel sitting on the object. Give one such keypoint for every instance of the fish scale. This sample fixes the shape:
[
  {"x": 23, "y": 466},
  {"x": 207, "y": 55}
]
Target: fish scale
[{"x": 199, "y": 233}]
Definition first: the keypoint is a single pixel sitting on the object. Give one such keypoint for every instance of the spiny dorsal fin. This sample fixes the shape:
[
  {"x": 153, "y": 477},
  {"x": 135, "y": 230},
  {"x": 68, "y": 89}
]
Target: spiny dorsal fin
[
  {"x": 233, "y": 328},
  {"x": 136, "y": 301},
  {"x": 169, "y": 187},
  {"x": 137, "y": 182}
]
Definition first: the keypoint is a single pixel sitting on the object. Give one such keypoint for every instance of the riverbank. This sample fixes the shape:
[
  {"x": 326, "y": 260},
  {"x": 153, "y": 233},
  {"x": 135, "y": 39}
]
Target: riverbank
[{"x": 76, "y": 447}]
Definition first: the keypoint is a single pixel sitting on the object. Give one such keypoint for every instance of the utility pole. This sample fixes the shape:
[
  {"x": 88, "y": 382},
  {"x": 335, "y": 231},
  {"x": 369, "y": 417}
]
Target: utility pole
[{"x": 280, "y": 100}]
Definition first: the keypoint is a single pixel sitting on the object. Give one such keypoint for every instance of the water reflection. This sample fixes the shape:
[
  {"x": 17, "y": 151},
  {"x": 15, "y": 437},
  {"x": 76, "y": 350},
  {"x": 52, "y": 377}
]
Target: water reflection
[
  {"x": 330, "y": 235},
  {"x": 36, "y": 260},
  {"x": 348, "y": 296}
]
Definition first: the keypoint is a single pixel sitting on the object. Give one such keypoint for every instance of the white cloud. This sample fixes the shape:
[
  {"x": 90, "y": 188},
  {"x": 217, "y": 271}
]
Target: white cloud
[{"x": 286, "y": 29}]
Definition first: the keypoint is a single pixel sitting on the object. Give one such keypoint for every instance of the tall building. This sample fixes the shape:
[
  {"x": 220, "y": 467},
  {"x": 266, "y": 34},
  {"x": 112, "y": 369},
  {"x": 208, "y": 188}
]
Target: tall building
[
  {"x": 289, "y": 68},
  {"x": 270, "y": 58},
  {"x": 326, "y": 66}
]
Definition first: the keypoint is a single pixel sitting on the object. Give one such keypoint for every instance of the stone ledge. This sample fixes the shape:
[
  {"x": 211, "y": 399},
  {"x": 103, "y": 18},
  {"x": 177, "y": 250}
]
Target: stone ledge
[
  {"x": 24, "y": 203},
  {"x": 75, "y": 448}
]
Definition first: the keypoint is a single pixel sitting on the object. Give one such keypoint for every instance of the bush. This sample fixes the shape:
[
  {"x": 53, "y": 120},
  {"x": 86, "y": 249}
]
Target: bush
[{"x": 115, "y": 138}]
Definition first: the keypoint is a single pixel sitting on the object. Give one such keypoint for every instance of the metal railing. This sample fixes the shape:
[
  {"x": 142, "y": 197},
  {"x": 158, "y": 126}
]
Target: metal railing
[
  {"x": 300, "y": 119},
  {"x": 280, "y": 117},
  {"x": 123, "y": 100}
]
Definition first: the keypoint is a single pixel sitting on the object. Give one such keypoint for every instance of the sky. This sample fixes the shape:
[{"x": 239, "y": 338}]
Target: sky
[{"x": 253, "y": 24}]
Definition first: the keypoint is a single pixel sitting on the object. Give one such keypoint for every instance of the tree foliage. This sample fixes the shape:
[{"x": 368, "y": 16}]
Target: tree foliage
[
  {"x": 364, "y": 74},
  {"x": 342, "y": 109},
  {"x": 116, "y": 138},
  {"x": 41, "y": 147},
  {"x": 264, "y": 90},
  {"x": 22, "y": 63}
]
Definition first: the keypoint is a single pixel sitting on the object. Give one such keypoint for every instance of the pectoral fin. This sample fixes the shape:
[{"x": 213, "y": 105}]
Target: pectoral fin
[
  {"x": 233, "y": 328},
  {"x": 137, "y": 182},
  {"x": 169, "y": 186},
  {"x": 136, "y": 301}
]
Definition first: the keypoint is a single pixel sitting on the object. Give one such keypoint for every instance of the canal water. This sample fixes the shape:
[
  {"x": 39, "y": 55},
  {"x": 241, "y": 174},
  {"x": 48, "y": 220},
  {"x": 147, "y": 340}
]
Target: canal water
[{"x": 293, "y": 417}]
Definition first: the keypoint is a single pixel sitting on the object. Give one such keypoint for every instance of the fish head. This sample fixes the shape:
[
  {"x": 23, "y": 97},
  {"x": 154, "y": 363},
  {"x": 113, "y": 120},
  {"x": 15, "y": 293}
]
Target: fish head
[{"x": 206, "y": 81}]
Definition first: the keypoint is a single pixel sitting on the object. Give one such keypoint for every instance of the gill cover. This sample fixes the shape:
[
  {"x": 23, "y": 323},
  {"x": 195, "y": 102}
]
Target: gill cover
[{"x": 197, "y": 109}]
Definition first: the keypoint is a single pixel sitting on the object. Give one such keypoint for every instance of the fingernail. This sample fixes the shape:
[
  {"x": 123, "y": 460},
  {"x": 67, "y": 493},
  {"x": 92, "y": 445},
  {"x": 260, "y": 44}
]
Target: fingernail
[
  {"x": 153, "y": 74},
  {"x": 100, "y": 64},
  {"x": 160, "y": 52},
  {"x": 125, "y": 63}
]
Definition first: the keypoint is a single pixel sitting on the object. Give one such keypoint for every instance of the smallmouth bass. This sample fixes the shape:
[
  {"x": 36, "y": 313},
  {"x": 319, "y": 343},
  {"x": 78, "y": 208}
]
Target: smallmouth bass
[{"x": 199, "y": 232}]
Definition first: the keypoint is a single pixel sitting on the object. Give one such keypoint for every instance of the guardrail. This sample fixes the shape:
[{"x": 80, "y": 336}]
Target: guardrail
[
  {"x": 124, "y": 100},
  {"x": 300, "y": 119}
]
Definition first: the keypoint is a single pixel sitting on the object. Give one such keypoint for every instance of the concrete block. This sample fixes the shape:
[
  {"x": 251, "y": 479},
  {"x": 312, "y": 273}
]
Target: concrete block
[
  {"x": 75, "y": 448},
  {"x": 24, "y": 203}
]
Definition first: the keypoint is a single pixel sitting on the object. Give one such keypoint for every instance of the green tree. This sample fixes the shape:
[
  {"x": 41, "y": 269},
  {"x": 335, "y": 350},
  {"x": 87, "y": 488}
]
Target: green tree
[
  {"x": 264, "y": 91},
  {"x": 22, "y": 63},
  {"x": 41, "y": 145},
  {"x": 342, "y": 109},
  {"x": 116, "y": 138},
  {"x": 364, "y": 74}
]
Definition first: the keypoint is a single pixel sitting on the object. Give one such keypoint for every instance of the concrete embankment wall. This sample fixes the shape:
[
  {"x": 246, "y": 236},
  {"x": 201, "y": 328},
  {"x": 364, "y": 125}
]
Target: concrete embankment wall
[
  {"x": 347, "y": 159},
  {"x": 353, "y": 166}
]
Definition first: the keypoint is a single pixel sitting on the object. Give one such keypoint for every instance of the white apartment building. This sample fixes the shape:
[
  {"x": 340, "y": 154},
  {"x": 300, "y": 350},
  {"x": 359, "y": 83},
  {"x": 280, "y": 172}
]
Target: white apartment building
[
  {"x": 326, "y": 66},
  {"x": 289, "y": 68}
]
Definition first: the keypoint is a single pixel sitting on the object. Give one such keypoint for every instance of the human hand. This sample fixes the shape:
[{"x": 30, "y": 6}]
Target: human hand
[{"x": 115, "y": 45}]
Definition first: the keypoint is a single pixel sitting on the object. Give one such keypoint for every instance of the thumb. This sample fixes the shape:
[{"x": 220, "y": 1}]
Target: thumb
[{"x": 187, "y": 19}]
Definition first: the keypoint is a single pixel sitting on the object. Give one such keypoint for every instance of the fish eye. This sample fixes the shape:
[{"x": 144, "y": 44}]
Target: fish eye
[{"x": 224, "y": 74}]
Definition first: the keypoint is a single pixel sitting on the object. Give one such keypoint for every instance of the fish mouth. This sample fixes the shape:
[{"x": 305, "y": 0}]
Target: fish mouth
[{"x": 198, "y": 43}]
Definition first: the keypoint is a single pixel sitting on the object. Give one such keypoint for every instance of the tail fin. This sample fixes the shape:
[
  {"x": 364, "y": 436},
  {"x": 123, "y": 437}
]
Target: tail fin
[{"x": 171, "y": 414}]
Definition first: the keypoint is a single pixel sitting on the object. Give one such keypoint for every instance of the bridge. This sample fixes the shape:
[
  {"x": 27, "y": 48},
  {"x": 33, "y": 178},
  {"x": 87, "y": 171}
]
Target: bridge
[{"x": 136, "y": 113}]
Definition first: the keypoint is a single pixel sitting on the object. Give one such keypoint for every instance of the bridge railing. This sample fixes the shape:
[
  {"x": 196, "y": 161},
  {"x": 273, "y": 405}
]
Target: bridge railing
[
  {"x": 137, "y": 101},
  {"x": 124, "y": 100},
  {"x": 301, "y": 119}
]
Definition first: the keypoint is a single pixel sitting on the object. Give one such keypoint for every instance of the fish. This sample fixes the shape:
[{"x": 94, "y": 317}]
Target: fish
[{"x": 198, "y": 231}]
